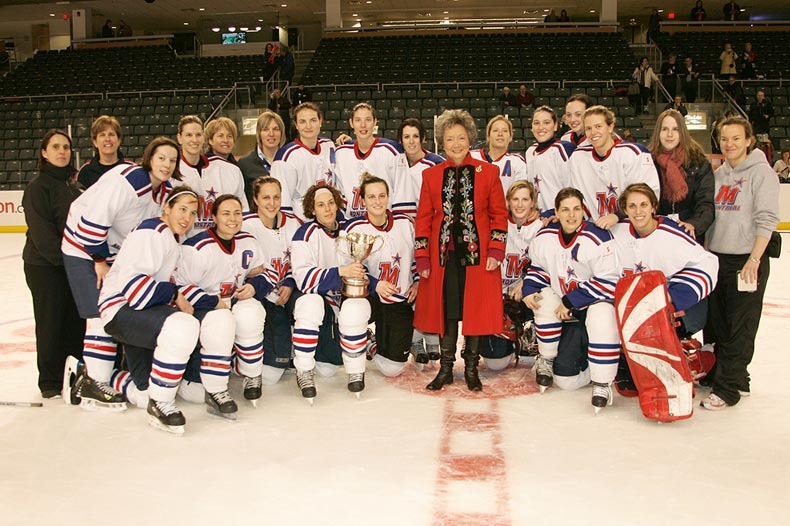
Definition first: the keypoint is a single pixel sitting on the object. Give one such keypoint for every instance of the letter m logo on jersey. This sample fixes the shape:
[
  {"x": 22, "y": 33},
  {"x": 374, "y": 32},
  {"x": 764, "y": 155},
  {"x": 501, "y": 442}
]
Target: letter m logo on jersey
[
  {"x": 727, "y": 195},
  {"x": 356, "y": 203},
  {"x": 515, "y": 266},
  {"x": 607, "y": 203},
  {"x": 388, "y": 272}
]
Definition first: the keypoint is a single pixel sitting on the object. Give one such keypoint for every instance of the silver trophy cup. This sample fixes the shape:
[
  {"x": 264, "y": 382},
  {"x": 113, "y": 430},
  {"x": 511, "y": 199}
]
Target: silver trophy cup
[{"x": 357, "y": 246}]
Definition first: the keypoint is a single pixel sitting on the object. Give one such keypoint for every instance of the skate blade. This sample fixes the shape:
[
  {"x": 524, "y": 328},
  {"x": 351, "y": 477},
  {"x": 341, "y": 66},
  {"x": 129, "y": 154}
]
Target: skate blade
[
  {"x": 543, "y": 388},
  {"x": 358, "y": 395},
  {"x": 216, "y": 412},
  {"x": 597, "y": 410},
  {"x": 254, "y": 403},
  {"x": 310, "y": 401},
  {"x": 94, "y": 406},
  {"x": 155, "y": 423}
]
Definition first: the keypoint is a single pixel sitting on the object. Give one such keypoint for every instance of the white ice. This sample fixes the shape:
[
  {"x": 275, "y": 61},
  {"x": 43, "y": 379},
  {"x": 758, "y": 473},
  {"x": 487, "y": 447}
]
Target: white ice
[{"x": 399, "y": 455}]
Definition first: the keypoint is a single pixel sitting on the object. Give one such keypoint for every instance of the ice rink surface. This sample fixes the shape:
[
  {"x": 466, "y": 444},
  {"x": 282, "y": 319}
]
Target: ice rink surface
[{"x": 398, "y": 456}]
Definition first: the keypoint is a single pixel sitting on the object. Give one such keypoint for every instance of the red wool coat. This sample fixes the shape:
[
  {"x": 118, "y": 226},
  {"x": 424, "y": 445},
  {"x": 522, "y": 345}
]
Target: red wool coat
[{"x": 484, "y": 223}]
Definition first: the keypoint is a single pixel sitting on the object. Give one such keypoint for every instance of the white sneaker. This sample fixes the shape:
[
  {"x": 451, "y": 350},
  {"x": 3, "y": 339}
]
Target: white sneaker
[{"x": 714, "y": 403}]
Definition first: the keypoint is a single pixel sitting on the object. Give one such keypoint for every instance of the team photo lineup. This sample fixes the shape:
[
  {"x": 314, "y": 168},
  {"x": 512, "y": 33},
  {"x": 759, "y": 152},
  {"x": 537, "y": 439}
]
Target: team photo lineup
[{"x": 613, "y": 266}]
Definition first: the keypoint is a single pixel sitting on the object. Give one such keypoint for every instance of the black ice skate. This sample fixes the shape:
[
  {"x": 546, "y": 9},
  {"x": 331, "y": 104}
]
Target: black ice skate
[
  {"x": 601, "y": 396},
  {"x": 306, "y": 382},
  {"x": 434, "y": 353},
  {"x": 73, "y": 378},
  {"x": 356, "y": 383},
  {"x": 221, "y": 404},
  {"x": 99, "y": 396},
  {"x": 166, "y": 416},
  {"x": 252, "y": 389},
  {"x": 420, "y": 356},
  {"x": 544, "y": 372}
]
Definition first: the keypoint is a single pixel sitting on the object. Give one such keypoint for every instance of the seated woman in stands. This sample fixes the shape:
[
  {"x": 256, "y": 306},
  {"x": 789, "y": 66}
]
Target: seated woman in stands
[
  {"x": 306, "y": 161},
  {"x": 210, "y": 175},
  {"x": 270, "y": 133},
  {"x": 547, "y": 159},
  {"x": 499, "y": 135},
  {"x": 106, "y": 137}
]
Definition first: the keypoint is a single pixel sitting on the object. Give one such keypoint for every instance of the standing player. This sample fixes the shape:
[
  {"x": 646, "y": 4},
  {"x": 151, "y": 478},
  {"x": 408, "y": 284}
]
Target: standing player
[
  {"x": 307, "y": 161},
  {"x": 270, "y": 132},
  {"x": 393, "y": 274},
  {"x": 377, "y": 156},
  {"x": 136, "y": 306},
  {"x": 274, "y": 230},
  {"x": 606, "y": 166},
  {"x": 547, "y": 159},
  {"x": 106, "y": 137},
  {"x": 571, "y": 279},
  {"x": 424, "y": 347},
  {"x": 575, "y": 107},
  {"x": 214, "y": 275},
  {"x": 318, "y": 313},
  {"x": 523, "y": 225},
  {"x": 98, "y": 222},
  {"x": 211, "y": 175},
  {"x": 499, "y": 135}
]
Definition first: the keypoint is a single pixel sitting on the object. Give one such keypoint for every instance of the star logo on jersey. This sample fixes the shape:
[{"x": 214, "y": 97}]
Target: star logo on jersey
[
  {"x": 570, "y": 274},
  {"x": 396, "y": 258},
  {"x": 612, "y": 189},
  {"x": 211, "y": 193},
  {"x": 536, "y": 181},
  {"x": 639, "y": 267},
  {"x": 739, "y": 182},
  {"x": 287, "y": 254}
]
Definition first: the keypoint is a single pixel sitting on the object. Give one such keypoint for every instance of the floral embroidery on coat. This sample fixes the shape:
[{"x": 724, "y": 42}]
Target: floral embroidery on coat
[{"x": 458, "y": 204}]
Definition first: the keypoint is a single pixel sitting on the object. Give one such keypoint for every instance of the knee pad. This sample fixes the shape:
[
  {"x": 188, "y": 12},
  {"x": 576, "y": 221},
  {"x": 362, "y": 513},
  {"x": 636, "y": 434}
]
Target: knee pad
[
  {"x": 354, "y": 316},
  {"x": 326, "y": 370},
  {"x": 548, "y": 304},
  {"x": 309, "y": 310},
  {"x": 498, "y": 364},
  {"x": 388, "y": 367},
  {"x": 250, "y": 317},
  {"x": 601, "y": 323},
  {"x": 217, "y": 331},
  {"x": 271, "y": 375},
  {"x": 191, "y": 392},
  {"x": 178, "y": 336}
]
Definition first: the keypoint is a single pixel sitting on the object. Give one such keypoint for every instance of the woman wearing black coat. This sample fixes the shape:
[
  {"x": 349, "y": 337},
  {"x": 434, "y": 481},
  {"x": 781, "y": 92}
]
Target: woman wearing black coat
[
  {"x": 685, "y": 175},
  {"x": 59, "y": 328}
]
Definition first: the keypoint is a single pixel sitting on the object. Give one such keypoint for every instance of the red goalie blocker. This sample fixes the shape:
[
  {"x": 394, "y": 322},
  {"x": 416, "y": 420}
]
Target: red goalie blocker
[{"x": 657, "y": 362}]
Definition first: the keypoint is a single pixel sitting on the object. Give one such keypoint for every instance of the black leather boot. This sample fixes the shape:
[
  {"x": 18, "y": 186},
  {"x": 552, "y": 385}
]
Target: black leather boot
[
  {"x": 447, "y": 343},
  {"x": 471, "y": 356}
]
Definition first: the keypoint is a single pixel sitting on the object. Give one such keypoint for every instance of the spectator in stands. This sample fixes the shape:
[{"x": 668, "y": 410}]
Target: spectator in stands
[
  {"x": 698, "y": 12},
  {"x": 628, "y": 136},
  {"x": 728, "y": 58},
  {"x": 748, "y": 59},
  {"x": 59, "y": 329},
  {"x": 677, "y": 105},
  {"x": 645, "y": 77},
  {"x": 689, "y": 75},
  {"x": 564, "y": 16},
  {"x": 507, "y": 98},
  {"x": 669, "y": 74},
  {"x": 106, "y": 137},
  {"x": 106, "y": 29},
  {"x": 760, "y": 113},
  {"x": 269, "y": 55},
  {"x": 735, "y": 91},
  {"x": 551, "y": 17},
  {"x": 685, "y": 175},
  {"x": 782, "y": 166},
  {"x": 282, "y": 107},
  {"x": 747, "y": 213},
  {"x": 287, "y": 65},
  {"x": 270, "y": 133},
  {"x": 654, "y": 26},
  {"x": 524, "y": 99},
  {"x": 124, "y": 29},
  {"x": 731, "y": 11},
  {"x": 300, "y": 94}
]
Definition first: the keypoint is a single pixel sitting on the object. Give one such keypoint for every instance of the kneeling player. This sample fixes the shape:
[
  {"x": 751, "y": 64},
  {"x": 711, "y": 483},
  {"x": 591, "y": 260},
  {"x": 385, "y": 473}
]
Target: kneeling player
[
  {"x": 135, "y": 306},
  {"x": 391, "y": 272},
  {"x": 214, "y": 272},
  {"x": 571, "y": 281},
  {"x": 318, "y": 273}
]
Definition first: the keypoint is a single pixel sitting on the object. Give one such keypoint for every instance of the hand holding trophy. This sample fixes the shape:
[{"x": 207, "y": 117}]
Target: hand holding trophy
[{"x": 357, "y": 246}]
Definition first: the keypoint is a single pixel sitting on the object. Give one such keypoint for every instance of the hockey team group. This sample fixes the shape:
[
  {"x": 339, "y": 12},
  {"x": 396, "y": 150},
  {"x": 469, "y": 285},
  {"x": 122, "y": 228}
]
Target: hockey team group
[{"x": 333, "y": 255}]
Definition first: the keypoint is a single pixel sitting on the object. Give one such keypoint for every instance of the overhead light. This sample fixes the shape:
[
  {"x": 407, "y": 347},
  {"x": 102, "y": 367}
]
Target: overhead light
[
  {"x": 52, "y": 14},
  {"x": 283, "y": 5},
  {"x": 369, "y": 2},
  {"x": 215, "y": 29},
  {"x": 244, "y": 29},
  {"x": 592, "y": 10},
  {"x": 445, "y": 12},
  {"x": 186, "y": 23},
  {"x": 357, "y": 25},
  {"x": 354, "y": 14},
  {"x": 257, "y": 28},
  {"x": 202, "y": 9},
  {"x": 231, "y": 28}
]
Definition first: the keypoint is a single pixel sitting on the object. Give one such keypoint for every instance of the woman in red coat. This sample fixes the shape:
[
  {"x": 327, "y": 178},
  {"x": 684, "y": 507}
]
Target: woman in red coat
[{"x": 460, "y": 232}]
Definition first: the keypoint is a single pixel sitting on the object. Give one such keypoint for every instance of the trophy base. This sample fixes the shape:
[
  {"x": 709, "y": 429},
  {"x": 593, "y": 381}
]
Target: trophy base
[{"x": 355, "y": 288}]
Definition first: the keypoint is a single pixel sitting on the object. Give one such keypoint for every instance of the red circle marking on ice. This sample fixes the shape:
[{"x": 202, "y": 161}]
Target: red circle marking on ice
[
  {"x": 11, "y": 348},
  {"x": 28, "y": 331},
  {"x": 508, "y": 383}
]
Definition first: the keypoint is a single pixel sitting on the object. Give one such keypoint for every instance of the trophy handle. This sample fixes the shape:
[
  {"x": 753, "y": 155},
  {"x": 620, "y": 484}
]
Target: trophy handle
[
  {"x": 375, "y": 249},
  {"x": 339, "y": 243}
]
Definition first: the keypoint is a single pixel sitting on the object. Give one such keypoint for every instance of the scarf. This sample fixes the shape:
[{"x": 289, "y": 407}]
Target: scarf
[{"x": 673, "y": 185}]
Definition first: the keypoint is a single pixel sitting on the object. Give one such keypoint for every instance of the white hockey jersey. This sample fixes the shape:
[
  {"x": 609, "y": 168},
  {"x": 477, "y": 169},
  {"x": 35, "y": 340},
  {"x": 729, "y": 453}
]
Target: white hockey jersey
[
  {"x": 213, "y": 177},
  {"x": 577, "y": 140},
  {"x": 415, "y": 174},
  {"x": 297, "y": 167},
  {"x": 315, "y": 262},
  {"x": 516, "y": 262},
  {"x": 547, "y": 169},
  {"x": 142, "y": 274},
  {"x": 275, "y": 244},
  {"x": 512, "y": 166},
  {"x": 691, "y": 271},
  {"x": 601, "y": 180},
  {"x": 394, "y": 261},
  {"x": 585, "y": 269},
  {"x": 385, "y": 160},
  {"x": 208, "y": 270},
  {"x": 100, "y": 219}
]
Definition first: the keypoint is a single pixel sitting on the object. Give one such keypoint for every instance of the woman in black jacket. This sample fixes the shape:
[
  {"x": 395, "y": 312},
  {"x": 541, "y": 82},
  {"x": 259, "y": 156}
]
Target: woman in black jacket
[
  {"x": 59, "y": 328},
  {"x": 685, "y": 174}
]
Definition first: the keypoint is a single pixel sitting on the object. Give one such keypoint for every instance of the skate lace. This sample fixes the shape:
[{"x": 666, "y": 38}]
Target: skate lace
[
  {"x": 105, "y": 388},
  {"x": 544, "y": 367},
  {"x": 167, "y": 408},
  {"x": 356, "y": 377},
  {"x": 305, "y": 379},
  {"x": 602, "y": 391},
  {"x": 252, "y": 382},
  {"x": 222, "y": 397}
]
